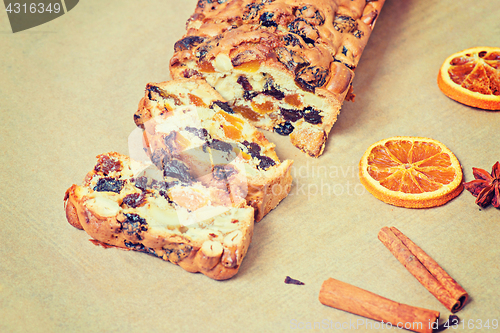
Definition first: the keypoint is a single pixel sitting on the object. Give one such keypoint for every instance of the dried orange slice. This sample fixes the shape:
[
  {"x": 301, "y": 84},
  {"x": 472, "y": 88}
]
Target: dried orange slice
[
  {"x": 472, "y": 77},
  {"x": 411, "y": 172}
]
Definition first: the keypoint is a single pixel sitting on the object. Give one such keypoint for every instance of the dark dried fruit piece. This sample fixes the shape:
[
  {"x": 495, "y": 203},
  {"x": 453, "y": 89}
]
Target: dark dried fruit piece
[
  {"x": 249, "y": 95},
  {"x": 141, "y": 183},
  {"x": 311, "y": 14},
  {"x": 222, "y": 172},
  {"x": 243, "y": 81},
  {"x": 271, "y": 90},
  {"x": 177, "y": 169},
  {"x": 162, "y": 93},
  {"x": 312, "y": 116},
  {"x": 291, "y": 40},
  {"x": 160, "y": 157},
  {"x": 223, "y": 105},
  {"x": 219, "y": 145},
  {"x": 252, "y": 148},
  {"x": 311, "y": 77},
  {"x": 134, "y": 225},
  {"x": 105, "y": 165},
  {"x": 302, "y": 28},
  {"x": 453, "y": 320},
  {"x": 252, "y": 11},
  {"x": 202, "y": 133},
  {"x": 154, "y": 89},
  {"x": 344, "y": 23},
  {"x": 289, "y": 280},
  {"x": 265, "y": 162},
  {"x": 109, "y": 185},
  {"x": 358, "y": 34},
  {"x": 284, "y": 129},
  {"x": 135, "y": 246},
  {"x": 202, "y": 50},
  {"x": 289, "y": 58},
  {"x": 170, "y": 141},
  {"x": 134, "y": 199},
  {"x": 187, "y": 73},
  {"x": 291, "y": 114},
  {"x": 266, "y": 19},
  {"x": 187, "y": 43}
]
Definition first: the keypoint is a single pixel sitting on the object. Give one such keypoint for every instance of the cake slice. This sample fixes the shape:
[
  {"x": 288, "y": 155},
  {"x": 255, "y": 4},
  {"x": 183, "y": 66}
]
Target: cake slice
[
  {"x": 286, "y": 66},
  {"x": 198, "y": 228},
  {"x": 190, "y": 130}
]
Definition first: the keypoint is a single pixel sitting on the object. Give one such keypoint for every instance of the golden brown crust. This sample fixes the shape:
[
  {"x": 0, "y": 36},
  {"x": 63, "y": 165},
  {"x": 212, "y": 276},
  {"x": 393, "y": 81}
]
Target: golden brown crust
[
  {"x": 305, "y": 47},
  {"x": 70, "y": 209},
  {"x": 309, "y": 141}
]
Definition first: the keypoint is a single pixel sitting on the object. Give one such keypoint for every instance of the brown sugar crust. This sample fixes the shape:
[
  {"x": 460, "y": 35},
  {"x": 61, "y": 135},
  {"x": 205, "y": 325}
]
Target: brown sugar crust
[
  {"x": 268, "y": 180},
  {"x": 296, "y": 47},
  {"x": 107, "y": 217}
]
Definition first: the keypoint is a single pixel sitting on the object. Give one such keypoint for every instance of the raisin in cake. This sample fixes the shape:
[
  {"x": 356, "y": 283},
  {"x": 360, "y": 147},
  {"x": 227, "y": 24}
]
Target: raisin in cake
[
  {"x": 286, "y": 65},
  {"x": 198, "y": 228},
  {"x": 189, "y": 129}
]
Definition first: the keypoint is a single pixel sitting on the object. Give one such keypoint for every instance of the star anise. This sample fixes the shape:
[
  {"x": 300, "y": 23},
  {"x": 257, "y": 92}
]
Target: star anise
[{"x": 486, "y": 187}]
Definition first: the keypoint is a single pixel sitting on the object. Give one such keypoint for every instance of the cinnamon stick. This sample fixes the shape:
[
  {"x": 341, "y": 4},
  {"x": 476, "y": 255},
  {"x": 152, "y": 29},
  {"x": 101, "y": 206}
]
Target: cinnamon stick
[
  {"x": 425, "y": 269},
  {"x": 346, "y": 297}
]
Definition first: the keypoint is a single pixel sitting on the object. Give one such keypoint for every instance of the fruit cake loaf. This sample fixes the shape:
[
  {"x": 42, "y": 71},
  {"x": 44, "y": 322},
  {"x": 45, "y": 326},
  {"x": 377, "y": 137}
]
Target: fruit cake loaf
[
  {"x": 189, "y": 120},
  {"x": 198, "y": 228},
  {"x": 286, "y": 65}
]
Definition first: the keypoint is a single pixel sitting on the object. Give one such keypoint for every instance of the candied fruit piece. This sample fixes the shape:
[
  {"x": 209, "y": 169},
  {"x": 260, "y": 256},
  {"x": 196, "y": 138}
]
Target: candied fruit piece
[
  {"x": 294, "y": 100},
  {"x": 196, "y": 100},
  {"x": 247, "y": 112},
  {"x": 206, "y": 67},
  {"x": 250, "y": 67},
  {"x": 263, "y": 108}
]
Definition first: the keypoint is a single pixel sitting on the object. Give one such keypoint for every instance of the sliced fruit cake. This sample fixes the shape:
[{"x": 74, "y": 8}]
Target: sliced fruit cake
[
  {"x": 199, "y": 176},
  {"x": 286, "y": 65},
  {"x": 198, "y": 228},
  {"x": 188, "y": 119}
]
